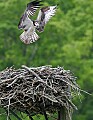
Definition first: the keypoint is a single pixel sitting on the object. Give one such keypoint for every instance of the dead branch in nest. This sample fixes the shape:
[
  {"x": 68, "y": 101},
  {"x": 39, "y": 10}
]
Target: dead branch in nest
[{"x": 37, "y": 90}]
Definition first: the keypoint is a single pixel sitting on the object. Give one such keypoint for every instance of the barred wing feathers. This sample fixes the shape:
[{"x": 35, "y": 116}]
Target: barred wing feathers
[
  {"x": 32, "y": 7},
  {"x": 46, "y": 13}
]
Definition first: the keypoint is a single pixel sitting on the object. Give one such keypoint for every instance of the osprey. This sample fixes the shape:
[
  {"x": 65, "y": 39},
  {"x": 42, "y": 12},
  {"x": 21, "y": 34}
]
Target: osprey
[{"x": 30, "y": 26}]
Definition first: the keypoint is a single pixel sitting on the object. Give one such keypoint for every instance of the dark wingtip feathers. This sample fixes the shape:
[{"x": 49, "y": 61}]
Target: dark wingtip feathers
[{"x": 35, "y": 3}]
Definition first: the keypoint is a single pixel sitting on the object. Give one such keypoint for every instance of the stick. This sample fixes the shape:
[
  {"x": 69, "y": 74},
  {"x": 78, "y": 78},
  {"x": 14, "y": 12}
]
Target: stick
[{"x": 23, "y": 66}]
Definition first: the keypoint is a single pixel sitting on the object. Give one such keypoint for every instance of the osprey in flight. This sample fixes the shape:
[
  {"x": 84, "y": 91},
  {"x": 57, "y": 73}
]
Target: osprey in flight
[{"x": 30, "y": 26}]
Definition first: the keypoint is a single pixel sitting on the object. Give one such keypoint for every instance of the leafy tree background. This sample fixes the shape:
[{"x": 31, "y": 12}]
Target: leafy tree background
[{"x": 67, "y": 41}]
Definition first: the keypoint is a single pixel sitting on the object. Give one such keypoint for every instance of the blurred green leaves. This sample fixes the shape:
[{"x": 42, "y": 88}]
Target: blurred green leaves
[{"x": 67, "y": 41}]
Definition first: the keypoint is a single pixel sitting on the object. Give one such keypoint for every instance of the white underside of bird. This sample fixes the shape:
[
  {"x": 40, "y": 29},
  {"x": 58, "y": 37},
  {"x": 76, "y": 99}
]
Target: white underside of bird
[{"x": 29, "y": 35}]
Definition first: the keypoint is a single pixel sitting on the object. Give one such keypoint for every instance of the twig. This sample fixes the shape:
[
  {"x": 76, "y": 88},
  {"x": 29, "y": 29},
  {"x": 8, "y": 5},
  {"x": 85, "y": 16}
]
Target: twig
[{"x": 40, "y": 80}]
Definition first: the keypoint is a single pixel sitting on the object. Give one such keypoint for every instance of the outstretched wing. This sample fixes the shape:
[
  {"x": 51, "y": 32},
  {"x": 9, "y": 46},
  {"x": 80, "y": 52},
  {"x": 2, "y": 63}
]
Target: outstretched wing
[
  {"x": 32, "y": 7},
  {"x": 30, "y": 10},
  {"x": 46, "y": 13}
]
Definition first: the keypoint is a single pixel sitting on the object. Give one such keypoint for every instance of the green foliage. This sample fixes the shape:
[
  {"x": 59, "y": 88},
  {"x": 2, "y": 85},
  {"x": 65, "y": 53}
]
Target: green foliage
[{"x": 67, "y": 41}]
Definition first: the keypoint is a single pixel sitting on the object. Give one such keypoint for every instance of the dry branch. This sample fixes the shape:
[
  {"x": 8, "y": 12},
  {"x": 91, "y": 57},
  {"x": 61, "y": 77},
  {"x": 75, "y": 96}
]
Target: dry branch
[{"x": 30, "y": 90}]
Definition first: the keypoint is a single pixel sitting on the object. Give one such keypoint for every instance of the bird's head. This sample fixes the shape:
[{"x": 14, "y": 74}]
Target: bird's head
[{"x": 36, "y": 23}]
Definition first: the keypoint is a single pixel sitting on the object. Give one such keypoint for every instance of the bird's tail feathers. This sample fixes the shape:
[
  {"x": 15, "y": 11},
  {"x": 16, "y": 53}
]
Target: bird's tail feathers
[
  {"x": 34, "y": 37},
  {"x": 29, "y": 39}
]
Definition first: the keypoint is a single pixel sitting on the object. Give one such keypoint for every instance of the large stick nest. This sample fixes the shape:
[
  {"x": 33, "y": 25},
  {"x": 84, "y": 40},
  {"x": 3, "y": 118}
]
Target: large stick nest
[{"x": 30, "y": 89}]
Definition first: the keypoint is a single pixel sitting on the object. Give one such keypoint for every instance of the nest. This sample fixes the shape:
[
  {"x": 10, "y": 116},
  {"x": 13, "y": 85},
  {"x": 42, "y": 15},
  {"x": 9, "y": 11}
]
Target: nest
[{"x": 30, "y": 90}]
